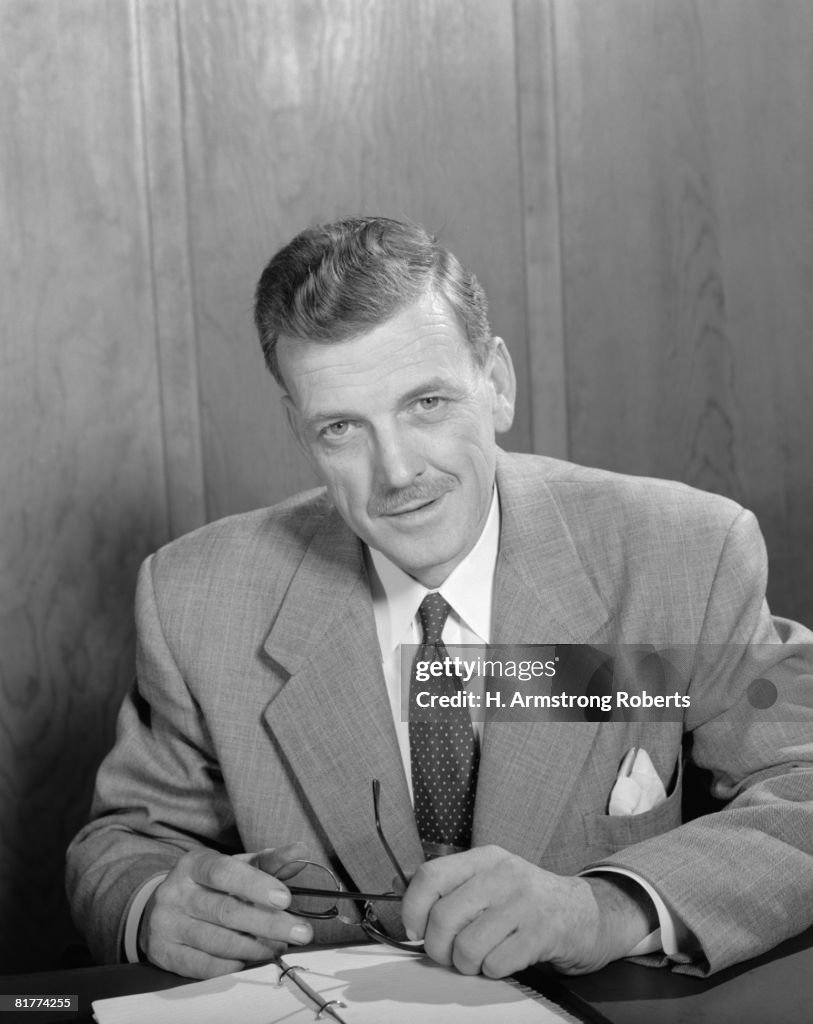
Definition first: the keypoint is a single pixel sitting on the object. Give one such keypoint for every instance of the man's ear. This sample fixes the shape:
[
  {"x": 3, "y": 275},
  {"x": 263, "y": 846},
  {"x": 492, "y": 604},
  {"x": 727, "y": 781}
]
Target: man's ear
[
  {"x": 295, "y": 423},
  {"x": 503, "y": 384}
]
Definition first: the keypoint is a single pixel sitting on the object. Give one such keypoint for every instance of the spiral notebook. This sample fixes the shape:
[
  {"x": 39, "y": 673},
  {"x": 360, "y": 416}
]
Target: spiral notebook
[{"x": 349, "y": 985}]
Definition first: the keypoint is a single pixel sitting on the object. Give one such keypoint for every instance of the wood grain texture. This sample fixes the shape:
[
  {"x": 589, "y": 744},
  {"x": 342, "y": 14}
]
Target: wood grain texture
[
  {"x": 759, "y": 61},
  {"x": 305, "y": 110},
  {"x": 539, "y": 164},
  {"x": 81, "y": 466},
  {"x": 686, "y": 161},
  {"x": 171, "y": 285},
  {"x": 631, "y": 180}
]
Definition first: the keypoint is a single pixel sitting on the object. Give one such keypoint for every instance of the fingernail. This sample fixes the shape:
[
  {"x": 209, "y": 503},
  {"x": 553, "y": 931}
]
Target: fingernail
[
  {"x": 279, "y": 898},
  {"x": 300, "y": 933},
  {"x": 411, "y": 935}
]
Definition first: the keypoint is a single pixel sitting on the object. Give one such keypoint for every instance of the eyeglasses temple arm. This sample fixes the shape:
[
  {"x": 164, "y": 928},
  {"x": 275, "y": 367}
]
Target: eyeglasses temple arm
[
  {"x": 399, "y": 870},
  {"x": 344, "y": 894}
]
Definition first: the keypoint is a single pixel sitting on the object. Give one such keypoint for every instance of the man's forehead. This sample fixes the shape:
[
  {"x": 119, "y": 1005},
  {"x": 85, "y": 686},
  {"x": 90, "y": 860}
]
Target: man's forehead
[{"x": 426, "y": 334}]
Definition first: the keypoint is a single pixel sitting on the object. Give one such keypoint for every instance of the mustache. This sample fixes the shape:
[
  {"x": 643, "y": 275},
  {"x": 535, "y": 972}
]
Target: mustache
[{"x": 412, "y": 496}]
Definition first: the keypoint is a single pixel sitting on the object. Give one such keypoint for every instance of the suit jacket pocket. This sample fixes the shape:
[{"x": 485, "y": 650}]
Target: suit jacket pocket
[{"x": 605, "y": 833}]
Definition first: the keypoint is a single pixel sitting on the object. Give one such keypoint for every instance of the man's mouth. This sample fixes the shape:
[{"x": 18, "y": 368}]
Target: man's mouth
[{"x": 414, "y": 507}]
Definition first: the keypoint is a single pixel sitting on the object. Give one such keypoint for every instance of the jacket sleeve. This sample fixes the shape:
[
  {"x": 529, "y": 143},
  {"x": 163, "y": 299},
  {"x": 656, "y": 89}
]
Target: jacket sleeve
[
  {"x": 741, "y": 879},
  {"x": 159, "y": 793}
]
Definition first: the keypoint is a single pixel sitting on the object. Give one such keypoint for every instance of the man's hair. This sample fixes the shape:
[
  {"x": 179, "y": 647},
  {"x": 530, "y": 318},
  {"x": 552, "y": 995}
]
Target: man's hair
[{"x": 336, "y": 281}]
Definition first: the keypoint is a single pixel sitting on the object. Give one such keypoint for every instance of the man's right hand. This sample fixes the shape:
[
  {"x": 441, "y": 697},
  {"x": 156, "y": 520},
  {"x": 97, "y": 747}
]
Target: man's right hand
[{"x": 213, "y": 914}]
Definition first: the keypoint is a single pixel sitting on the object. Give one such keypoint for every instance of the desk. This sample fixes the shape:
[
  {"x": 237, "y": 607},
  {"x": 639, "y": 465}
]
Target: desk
[{"x": 776, "y": 988}]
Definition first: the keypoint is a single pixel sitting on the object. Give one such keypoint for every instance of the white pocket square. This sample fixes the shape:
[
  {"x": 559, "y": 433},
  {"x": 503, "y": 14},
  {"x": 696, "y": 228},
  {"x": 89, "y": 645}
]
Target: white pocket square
[{"x": 638, "y": 787}]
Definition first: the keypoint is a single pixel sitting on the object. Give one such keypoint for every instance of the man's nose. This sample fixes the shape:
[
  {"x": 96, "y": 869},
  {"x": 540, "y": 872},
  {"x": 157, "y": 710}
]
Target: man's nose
[{"x": 398, "y": 461}]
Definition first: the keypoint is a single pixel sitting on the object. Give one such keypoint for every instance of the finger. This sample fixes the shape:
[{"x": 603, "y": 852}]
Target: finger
[
  {"x": 517, "y": 950},
  {"x": 433, "y": 880},
  {"x": 194, "y": 963},
  {"x": 477, "y": 941},
  {"x": 226, "y": 911},
  {"x": 225, "y": 944},
  {"x": 282, "y": 861},
  {"x": 507, "y": 956},
  {"x": 238, "y": 878},
  {"x": 450, "y": 919}
]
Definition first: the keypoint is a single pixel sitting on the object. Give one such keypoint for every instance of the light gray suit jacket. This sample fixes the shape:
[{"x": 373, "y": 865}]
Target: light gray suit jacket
[{"x": 260, "y": 717}]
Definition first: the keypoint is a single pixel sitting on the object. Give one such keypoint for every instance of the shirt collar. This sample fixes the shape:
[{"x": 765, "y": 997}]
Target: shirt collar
[{"x": 468, "y": 588}]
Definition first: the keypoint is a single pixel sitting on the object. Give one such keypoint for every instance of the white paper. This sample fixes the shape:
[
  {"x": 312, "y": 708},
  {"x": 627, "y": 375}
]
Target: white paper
[{"x": 376, "y": 984}]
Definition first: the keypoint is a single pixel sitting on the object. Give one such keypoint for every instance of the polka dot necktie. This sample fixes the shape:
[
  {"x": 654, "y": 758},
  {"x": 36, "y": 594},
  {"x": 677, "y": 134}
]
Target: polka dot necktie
[{"x": 443, "y": 748}]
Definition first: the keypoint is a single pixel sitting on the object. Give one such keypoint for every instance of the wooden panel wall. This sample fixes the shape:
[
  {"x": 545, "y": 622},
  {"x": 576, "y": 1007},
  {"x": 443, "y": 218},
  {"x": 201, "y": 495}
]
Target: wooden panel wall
[
  {"x": 307, "y": 110},
  {"x": 630, "y": 180},
  {"x": 82, "y": 484},
  {"x": 155, "y": 155},
  {"x": 686, "y": 156}
]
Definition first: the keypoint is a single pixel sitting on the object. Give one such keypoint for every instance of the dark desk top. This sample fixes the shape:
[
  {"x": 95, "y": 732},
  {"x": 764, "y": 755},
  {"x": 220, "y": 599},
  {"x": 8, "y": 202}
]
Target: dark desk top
[{"x": 776, "y": 988}]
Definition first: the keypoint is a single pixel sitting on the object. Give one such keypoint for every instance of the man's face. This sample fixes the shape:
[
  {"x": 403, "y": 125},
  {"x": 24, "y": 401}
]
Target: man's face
[{"x": 399, "y": 423}]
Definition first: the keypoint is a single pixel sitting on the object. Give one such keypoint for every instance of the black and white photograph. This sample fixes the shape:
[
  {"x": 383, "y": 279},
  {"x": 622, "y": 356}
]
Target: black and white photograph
[{"x": 406, "y": 511}]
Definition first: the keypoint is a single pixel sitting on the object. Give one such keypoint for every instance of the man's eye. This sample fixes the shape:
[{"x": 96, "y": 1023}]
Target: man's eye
[
  {"x": 429, "y": 402},
  {"x": 337, "y": 429}
]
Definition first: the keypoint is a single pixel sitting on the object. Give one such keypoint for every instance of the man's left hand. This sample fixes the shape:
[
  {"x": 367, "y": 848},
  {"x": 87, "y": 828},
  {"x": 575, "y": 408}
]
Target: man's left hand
[{"x": 488, "y": 911}]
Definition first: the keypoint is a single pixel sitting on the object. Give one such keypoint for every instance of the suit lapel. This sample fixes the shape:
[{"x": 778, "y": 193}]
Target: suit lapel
[
  {"x": 542, "y": 595},
  {"x": 332, "y": 717}
]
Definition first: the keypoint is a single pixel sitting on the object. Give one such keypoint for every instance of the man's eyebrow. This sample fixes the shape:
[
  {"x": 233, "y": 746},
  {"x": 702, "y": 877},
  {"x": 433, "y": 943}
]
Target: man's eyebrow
[
  {"x": 433, "y": 384},
  {"x": 425, "y": 387},
  {"x": 326, "y": 416}
]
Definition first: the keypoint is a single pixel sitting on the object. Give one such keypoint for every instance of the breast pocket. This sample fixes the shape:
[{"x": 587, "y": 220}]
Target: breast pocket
[{"x": 605, "y": 833}]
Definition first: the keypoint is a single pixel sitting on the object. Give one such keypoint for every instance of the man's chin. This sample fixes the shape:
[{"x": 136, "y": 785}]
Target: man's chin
[{"x": 419, "y": 558}]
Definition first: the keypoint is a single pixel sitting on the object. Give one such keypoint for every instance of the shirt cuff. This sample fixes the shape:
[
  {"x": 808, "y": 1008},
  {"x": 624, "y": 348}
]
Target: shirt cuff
[
  {"x": 673, "y": 937},
  {"x": 134, "y": 914}
]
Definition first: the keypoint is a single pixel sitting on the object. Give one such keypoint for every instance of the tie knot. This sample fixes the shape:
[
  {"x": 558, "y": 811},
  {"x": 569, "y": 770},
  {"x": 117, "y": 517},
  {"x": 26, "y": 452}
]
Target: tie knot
[{"x": 433, "y": 612}]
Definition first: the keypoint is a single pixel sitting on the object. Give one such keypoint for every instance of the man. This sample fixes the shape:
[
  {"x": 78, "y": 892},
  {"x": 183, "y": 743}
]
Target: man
[{"x": 268, "y": 687}]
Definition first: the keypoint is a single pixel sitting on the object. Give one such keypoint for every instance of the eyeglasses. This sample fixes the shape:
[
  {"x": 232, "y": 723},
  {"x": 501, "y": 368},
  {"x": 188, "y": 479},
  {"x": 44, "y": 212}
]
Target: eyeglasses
[{"x": 320, "y": 902}]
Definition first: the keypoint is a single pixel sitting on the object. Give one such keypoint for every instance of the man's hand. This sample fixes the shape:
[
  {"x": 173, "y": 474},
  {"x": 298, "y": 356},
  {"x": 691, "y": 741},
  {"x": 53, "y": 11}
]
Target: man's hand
[
  {"x": 487, "y": 910},
  {"x": 213, "y": 914}
]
